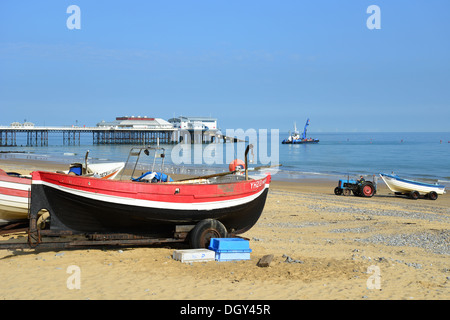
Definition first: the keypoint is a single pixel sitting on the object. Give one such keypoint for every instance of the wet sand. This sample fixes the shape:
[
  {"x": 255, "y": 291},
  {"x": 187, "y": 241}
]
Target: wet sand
[{"x": 324, "y": 246}]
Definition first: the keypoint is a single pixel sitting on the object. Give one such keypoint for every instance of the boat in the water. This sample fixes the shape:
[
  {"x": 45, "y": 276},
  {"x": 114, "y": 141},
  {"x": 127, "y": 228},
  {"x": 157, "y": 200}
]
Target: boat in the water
[
  {"x": 413, "y": 189},
  {"x": 296, "y": 138},
  {"x": 15, "y": 188},
  {"x": 217, "y": 205}
]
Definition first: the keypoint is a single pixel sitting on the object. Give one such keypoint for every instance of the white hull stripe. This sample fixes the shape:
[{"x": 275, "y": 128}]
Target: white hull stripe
[
  {"x": 13, "y": 185},
  {"x": 155, "y": 204},
  {"x": 13, "y": 199}
]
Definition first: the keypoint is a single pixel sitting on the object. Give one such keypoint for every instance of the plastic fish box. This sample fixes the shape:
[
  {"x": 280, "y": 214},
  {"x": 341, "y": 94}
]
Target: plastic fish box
[
  {"x": 229, "y": 244},
  {"x": 230, "y": 256},
  {"x": 228, "y": 249},
  {"x": 194, "y": 255}
]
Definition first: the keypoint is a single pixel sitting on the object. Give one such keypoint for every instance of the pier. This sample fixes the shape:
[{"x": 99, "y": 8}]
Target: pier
[{"x": 39, "y": 136}]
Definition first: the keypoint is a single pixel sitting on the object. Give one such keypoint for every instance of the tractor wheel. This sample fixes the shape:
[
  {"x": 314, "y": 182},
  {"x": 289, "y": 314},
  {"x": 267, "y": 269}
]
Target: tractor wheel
[
  {"x": 414, "y": 195},
  {"x": 367, "y": 190},
  {"x": 432, "y": 195},
  {"x": 337, "y": 191},
  {"x": 347, "y": 192}
]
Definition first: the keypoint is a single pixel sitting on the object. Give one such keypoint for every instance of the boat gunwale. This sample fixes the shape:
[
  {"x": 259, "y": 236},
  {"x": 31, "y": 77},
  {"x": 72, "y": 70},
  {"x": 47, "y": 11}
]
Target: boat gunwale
[{"x": 172, "y": 183}]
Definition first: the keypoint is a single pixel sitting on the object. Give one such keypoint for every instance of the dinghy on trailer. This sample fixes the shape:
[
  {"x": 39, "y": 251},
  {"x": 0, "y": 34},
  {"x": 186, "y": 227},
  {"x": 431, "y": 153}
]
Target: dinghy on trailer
[{"x": 413, "y": 189}]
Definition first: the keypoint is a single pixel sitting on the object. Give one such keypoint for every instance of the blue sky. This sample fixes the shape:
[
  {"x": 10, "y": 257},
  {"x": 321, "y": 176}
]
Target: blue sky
[{"x": 249, "y": 63}]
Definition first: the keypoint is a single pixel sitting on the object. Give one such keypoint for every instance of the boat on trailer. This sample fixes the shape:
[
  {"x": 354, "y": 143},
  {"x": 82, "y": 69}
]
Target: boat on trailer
[
  {"x": 14, "y": 197},
  {"x": 413, "y": 189},
  {"x": 142, "y": 211},
  {"x": 15, "y": 188}
]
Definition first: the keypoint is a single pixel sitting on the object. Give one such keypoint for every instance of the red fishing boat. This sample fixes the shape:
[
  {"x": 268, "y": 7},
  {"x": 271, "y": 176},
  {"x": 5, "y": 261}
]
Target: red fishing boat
[{"x": 210, "y": 206}]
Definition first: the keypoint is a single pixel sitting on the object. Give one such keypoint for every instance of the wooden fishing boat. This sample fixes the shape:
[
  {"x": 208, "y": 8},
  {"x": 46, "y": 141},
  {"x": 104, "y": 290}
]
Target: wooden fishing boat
[
  {"x": 15, "y": 188},
  {"x": 14, "y": 197},
  {"x": 209, "y": 206},
  {"x": 86, "y": 204},
  {"x": 107, "y": 170},
  {"x": 413, "y": 189}
]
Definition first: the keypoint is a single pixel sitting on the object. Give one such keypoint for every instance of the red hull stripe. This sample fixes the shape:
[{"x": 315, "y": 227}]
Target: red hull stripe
[
  {"x": 13, "y": 192},
  {"x": 15, "y": 180}
]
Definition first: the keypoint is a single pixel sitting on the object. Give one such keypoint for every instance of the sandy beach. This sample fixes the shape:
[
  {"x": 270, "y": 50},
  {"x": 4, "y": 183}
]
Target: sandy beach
[{"x": 324, "y": 247}]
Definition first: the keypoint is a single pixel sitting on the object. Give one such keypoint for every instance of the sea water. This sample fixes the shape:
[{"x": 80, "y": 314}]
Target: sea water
[{"x": 420, "y": 156}]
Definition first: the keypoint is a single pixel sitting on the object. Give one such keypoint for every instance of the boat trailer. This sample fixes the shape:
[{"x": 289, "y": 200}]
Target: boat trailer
[
  {"x": 65, "y": 239},
  {"x": 197, "y": 235}
]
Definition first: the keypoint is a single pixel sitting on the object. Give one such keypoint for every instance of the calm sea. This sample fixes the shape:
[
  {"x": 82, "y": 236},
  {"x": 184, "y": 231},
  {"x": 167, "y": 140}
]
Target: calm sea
[{"x": 420, "y": 156}]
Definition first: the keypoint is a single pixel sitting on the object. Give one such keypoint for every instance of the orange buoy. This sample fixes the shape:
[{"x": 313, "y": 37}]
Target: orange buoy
[{"x": 236, "y": 164}]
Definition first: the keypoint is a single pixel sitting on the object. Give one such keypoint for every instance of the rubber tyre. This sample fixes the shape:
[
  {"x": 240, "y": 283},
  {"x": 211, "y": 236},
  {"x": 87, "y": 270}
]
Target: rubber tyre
[
  {"x": 367, "y": 190},
  {"x": 432, "y": 195},
  {"x": 347, "y": 192},
  {"x": 337, "y": 191},
  {"x": 414, "y": 195},
  {"x": 200, "y": 236}
]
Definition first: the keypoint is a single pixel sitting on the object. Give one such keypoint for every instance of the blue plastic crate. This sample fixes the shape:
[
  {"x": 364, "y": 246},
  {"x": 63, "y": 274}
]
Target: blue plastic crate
[
  {"x": 228, "y": 249},
  {"x": 230, "y": 256},
  {"x": 229, "y": 245}
]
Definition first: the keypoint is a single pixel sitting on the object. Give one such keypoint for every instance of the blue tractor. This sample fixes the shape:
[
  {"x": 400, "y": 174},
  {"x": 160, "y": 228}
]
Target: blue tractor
[{"x": 359, "y": 187}]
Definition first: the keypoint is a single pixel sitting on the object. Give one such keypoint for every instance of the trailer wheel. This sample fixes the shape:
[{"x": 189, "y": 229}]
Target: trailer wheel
[
  {"x": 432, "y": 195},
  {"x": 367, "y": 190},
  {"x": 414, "y": 195},
  {"x": 337, "y": 191},
  {"x": 204, "y": 231}
]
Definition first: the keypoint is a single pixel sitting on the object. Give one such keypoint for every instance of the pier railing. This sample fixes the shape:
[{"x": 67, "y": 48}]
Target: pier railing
[{"x": 71, "y": 135}]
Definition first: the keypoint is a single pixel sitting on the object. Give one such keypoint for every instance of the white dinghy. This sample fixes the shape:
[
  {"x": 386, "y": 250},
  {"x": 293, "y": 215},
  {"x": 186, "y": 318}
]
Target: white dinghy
[{"x": 413, "y": 189}]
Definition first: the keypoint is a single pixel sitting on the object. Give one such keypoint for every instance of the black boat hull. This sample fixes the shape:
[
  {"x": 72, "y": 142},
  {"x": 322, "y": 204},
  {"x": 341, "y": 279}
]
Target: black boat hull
[{"x": 69, "y": 212}]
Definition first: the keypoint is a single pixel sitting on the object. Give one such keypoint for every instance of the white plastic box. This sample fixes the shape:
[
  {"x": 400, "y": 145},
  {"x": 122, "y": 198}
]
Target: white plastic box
[{"x": 194, "y": 255}]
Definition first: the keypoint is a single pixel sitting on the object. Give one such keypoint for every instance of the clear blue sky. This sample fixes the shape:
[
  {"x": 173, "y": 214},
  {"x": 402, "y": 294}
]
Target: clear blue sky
[{"x": 249, "y": 63}]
